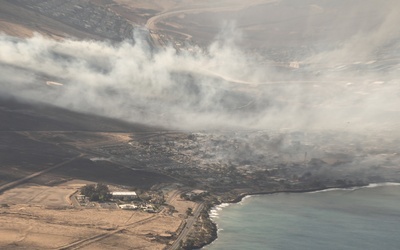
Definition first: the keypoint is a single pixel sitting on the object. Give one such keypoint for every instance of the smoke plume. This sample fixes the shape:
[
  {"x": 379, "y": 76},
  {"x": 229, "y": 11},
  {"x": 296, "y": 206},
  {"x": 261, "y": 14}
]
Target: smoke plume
[{"x": 352, "y": 87}]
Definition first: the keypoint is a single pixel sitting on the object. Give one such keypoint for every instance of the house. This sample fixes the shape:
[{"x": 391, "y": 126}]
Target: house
[
  {"x": 148, "y": 208},
  {"x": 80, "y": 197}
]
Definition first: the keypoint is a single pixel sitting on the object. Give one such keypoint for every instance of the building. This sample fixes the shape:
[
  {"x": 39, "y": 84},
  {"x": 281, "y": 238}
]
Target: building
[
  {"x": 128, "y": 207},
  {"x": 196, "y": 194},
  {"x": 148, "y": 208},
  {"x": 124, "y": 195}
]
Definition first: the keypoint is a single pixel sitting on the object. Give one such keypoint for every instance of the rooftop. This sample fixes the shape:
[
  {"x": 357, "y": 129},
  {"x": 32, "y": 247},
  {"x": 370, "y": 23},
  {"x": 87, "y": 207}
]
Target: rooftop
[{"x": 123, "y": 193}]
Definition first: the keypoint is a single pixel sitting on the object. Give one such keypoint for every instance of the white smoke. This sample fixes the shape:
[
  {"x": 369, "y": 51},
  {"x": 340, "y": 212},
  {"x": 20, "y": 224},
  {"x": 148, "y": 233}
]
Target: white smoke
[{"x": 222, "y": 87}]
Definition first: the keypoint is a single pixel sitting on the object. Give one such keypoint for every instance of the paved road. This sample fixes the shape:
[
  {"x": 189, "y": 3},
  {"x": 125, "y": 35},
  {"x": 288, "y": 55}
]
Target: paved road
[{"x": 189, "y": 224}]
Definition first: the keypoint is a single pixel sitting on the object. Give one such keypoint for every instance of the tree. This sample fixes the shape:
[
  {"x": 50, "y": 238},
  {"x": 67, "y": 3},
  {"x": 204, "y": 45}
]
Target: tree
[
  {"x": 103, "y": 192},
  {"x": 189, "y": 211},
  {"x": 99, "y": 192},
  {"x": 88, "y": 190},
  {"x": 94, "y": 197}
]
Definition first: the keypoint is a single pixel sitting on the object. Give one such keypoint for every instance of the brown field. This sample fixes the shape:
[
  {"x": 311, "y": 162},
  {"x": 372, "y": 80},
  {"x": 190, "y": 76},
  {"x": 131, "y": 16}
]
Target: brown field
[
  {"x": 41, "y": 217},
  {"x": 32, "y": 194}
]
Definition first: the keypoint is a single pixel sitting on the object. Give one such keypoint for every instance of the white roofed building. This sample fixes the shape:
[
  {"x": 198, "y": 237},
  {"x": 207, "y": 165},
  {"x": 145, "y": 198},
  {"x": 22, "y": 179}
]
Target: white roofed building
[
  {"x": 128, "y": 206},
  {"x": 124, "y": 195}
]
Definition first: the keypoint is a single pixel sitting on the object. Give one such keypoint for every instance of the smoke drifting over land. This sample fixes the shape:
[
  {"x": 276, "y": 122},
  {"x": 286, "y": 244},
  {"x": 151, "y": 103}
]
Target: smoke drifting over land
[{"x": 353, "y": 86}]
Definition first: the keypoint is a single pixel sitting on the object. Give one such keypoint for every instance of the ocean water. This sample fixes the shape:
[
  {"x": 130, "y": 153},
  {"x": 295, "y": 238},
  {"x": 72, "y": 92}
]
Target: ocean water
[{"x": 359, "y": 218}]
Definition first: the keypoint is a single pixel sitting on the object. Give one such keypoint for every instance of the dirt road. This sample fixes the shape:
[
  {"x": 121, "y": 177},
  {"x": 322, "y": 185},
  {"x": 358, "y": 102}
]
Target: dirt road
[
  {"x": 81, "y": 243},
  {"x": 29, "y": 177}
]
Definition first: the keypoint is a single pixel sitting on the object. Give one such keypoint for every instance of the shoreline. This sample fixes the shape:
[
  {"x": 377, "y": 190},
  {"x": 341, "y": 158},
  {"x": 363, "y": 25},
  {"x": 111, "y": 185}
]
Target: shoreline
[{"x": 242, "y": 196}]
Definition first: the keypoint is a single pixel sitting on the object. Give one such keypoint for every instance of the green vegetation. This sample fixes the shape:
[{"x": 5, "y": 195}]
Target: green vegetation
[
  {"x": 189, "y": 211},
  {"x": 98, "y": 192}
]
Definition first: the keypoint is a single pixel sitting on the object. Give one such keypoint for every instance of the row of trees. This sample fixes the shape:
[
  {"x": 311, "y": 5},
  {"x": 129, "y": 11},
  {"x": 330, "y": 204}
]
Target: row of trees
[{"x": 98, "y": 192}]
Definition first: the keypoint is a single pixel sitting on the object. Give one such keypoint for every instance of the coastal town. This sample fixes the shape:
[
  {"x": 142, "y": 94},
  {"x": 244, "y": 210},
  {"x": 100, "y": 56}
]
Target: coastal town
[
  {"x": 83, "y": 15},
  {"x": 207, "y": 169},
  {"x": 85, "y": 180},
  {"x": 254, "y": 159}
]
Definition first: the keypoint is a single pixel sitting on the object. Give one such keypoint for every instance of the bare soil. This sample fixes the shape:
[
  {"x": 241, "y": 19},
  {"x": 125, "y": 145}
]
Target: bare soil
[{"x": 41, "y": 217}]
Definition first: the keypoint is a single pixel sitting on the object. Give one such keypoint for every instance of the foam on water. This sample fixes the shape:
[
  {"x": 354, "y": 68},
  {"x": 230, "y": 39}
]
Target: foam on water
[
  {"x": 244, "y": 199},
  {"x": 384, "y": 184},
  {"x": 372, "y": 185},
  {"x": 214, "y": 210}
]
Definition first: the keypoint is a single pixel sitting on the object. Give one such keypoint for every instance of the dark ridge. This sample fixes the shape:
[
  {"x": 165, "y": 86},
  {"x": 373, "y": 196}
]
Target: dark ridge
[
  {"x": 17, "y": 115},
  {"x": 111, "y": 173},
  {"x": 21, "y": 156}
]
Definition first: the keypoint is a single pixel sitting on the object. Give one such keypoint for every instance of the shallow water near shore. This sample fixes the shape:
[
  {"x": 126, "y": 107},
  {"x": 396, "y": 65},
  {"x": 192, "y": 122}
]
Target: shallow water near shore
[{"x": 359, "y": 218}]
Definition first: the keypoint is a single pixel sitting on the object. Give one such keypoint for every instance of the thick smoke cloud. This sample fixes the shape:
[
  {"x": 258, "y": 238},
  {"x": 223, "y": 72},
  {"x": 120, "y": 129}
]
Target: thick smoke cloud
[{"x": 222, "y": 87}]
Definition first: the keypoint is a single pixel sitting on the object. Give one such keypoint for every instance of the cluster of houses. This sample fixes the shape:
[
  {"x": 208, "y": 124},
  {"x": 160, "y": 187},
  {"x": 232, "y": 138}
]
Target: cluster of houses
[
  {"x": 124, "y": 196},
  {"x": 83, "y": 15},
  {"x": 128, "y": 196}
]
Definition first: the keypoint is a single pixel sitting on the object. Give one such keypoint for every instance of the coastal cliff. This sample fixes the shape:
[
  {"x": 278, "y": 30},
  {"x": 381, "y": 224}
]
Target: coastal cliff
[{"x": 205, "y": 230}]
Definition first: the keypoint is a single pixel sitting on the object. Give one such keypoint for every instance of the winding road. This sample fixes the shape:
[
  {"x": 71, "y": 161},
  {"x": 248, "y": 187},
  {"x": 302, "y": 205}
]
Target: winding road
[{"x": 151, "y": 23}]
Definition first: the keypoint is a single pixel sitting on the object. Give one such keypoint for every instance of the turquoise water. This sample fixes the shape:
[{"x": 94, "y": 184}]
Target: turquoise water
[{"x": 364, "y": 218}]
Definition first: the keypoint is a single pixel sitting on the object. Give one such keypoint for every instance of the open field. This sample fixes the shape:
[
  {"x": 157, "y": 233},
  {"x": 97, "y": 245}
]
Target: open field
[
  {"x": 33, "y": 194},
  {"x": 39, "y": 228},
  {"x": 42, "y": 217}
]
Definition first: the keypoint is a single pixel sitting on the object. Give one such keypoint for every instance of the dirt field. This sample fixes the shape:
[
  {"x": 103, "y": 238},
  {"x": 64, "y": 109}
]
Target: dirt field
[
  {"x": 41, "y": 217},
  {"x": 32, "y": 194}
]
